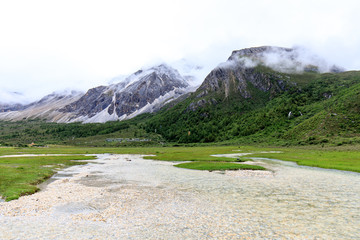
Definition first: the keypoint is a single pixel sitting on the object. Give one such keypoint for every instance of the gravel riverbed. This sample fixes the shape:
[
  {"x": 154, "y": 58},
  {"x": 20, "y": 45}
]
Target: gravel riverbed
[{"x": 127, "y": 197}]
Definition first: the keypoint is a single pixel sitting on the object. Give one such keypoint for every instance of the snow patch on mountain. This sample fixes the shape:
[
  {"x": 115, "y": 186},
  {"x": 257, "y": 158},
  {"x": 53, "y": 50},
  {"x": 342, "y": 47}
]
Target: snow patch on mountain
[{"x": 146, "y": 90}]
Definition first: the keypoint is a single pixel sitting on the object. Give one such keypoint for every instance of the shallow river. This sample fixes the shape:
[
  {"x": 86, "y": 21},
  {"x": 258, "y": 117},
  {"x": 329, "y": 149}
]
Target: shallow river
[{"x": 126, "y": 197}]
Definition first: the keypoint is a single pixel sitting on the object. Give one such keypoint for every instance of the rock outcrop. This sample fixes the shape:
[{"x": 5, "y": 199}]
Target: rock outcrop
[{"x": 239, "y": 75}]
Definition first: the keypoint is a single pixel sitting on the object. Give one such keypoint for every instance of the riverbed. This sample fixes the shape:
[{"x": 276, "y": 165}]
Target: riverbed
[{"x": 127, "y": 197}]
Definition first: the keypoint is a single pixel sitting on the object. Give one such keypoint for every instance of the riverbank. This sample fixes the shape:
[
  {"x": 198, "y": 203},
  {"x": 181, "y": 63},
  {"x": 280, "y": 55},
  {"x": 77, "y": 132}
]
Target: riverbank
[{"x": 115, "y": 198}]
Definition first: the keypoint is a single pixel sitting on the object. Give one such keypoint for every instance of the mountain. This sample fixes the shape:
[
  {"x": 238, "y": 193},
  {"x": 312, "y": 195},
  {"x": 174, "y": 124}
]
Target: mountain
[
  {"x": 235, "y": 77},
  {"x": 46, "y": 108},
  {"x": 266, "y": 94},
  {"x": 257, "y": 71},
  {"x": 262, "y": 95},
  {"x": 144, "y": 91}
]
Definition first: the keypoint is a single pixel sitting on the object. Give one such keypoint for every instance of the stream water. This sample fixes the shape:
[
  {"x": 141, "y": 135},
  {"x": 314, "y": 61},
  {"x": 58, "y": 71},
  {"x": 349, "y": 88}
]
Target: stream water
[{"x": 126, "y": 197}]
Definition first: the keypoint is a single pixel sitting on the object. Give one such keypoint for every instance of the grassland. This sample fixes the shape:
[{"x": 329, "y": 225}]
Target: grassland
[
  {"x": 337, "y": 158},
  {"x": 346, "y": 157},
  {"x": 19, "y": 175}
]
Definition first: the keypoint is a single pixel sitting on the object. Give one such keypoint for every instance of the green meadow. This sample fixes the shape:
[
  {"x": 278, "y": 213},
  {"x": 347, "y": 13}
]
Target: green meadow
[
  {"x": 20, "y": 175},
  {"x": 347, "y": 160}
]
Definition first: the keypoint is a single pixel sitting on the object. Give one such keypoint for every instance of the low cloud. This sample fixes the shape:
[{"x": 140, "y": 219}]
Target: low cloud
[
  {"x": 297, "y": 60},
  {"x": 287, "y": 60},
  {"x": 195, "y": 73},
  {"x": 8, "y": 97}
]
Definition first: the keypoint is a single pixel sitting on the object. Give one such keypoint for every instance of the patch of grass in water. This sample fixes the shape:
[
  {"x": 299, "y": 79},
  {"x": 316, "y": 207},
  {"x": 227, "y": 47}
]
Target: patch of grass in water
[
  {"x": 194, "y": 154},
  {"x": 214, "y": 166},
  {"x": 328, "y": 158}
]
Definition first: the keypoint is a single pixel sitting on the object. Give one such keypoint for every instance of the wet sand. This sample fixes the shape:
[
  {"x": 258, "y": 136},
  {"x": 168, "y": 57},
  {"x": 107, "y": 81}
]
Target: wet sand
[{"x": 115, "y": 198}]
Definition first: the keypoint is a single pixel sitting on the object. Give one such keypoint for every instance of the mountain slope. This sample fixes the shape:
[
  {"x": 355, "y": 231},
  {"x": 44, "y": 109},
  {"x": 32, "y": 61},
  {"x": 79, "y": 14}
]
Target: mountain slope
[
  {"x": 46, "y": 108},
  {"x": 144, "y": 91},
  {"x": 245, "y": 100}
]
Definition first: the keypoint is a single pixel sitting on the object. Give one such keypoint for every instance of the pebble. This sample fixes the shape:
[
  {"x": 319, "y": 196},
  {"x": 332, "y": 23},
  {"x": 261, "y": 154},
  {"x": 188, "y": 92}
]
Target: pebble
[{"x": 112, "y": 198}]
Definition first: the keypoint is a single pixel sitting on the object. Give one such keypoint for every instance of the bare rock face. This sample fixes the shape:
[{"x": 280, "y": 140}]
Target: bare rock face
[
  {"x": 144, "y": 91},
  {"x": 92, "y": 100},
  {"x": 238, "y": 75}
]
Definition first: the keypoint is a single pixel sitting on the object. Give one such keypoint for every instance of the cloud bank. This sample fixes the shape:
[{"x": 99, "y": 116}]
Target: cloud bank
[
  {"x": 78, "y": 44},
  {"x": 287, "y": 60}
]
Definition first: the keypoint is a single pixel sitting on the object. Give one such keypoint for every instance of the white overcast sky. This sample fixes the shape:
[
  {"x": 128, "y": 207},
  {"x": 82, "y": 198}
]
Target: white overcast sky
[{"x": 53, "y": 45}]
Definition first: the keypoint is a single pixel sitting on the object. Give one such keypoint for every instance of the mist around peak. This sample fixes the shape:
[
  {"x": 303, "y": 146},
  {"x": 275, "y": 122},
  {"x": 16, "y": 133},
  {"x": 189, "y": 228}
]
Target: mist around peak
[
  {"x": 287, "y": 60},
  {"x": 10, "y": 97}
]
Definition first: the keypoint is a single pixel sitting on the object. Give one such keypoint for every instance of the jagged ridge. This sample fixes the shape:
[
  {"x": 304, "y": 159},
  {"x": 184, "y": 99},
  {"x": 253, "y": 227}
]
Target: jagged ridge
[{"x": 143, "y": 91}]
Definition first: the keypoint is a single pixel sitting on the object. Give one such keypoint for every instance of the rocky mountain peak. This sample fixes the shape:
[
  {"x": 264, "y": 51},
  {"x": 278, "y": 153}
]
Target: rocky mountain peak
[
  {"x": 284, "y": 60},
  {"x": 159, "y": 70},
  {"x": 258, "y": 51},
  {"x": 238, "y": 75},
  {"x": 241, "y": 75},
  {"x": 164, "y": 69},
  {"x": 143, "y": 91}
]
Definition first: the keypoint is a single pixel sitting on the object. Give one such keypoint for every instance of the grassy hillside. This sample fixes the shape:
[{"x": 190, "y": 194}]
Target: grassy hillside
[{"x": 319, "y": 108}]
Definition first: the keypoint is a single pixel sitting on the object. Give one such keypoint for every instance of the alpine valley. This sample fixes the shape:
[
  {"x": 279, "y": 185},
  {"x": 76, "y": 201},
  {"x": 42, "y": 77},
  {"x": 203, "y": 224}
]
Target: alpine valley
[{"x": 268, "y": 95}]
